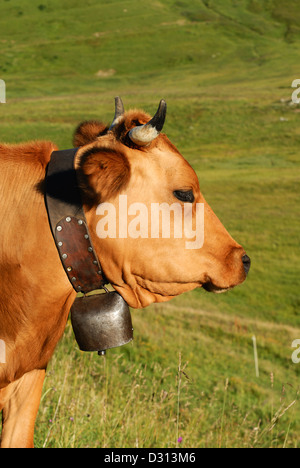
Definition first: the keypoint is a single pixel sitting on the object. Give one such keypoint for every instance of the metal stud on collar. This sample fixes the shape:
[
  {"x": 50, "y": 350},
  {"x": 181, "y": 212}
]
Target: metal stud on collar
[{"x": 78, "y": 255}]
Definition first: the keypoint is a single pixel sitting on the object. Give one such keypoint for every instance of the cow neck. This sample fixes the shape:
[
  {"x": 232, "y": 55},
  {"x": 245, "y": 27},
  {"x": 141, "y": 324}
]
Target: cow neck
[{"x": 68, "y": 224}]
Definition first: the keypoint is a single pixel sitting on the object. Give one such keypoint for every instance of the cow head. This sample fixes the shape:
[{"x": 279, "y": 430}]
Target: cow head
[{"x": 134, "y": 180}]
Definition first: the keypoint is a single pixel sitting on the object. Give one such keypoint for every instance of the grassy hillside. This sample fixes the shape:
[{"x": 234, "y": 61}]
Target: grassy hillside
[{"x": 225, "y": 68}]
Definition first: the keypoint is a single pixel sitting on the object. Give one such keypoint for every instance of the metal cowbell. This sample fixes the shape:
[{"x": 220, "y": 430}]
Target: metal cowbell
[{"x": 101, "y": 322}]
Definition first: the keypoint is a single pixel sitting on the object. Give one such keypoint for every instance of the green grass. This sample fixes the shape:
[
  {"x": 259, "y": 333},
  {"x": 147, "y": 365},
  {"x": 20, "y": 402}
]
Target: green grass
[
  {"x": 130, "y": 398},
  {"x": 225, "y": 68}
]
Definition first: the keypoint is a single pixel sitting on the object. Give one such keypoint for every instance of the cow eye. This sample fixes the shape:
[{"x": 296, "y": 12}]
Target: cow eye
[{"x": 184, "y": 195}]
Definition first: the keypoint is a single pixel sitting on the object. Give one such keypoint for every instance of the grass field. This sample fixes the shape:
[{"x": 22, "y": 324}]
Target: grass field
[{"x": 225, "y": 67}]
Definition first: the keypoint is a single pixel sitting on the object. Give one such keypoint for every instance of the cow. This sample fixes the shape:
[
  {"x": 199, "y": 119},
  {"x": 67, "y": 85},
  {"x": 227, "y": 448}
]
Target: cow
[{"x": 130, "y": 157}]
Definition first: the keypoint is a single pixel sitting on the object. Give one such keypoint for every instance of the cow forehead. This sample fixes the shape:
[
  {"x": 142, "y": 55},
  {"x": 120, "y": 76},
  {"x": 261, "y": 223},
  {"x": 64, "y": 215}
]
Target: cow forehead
[
  {"x": 135, "y": 117},
  {"x": 162, "y": 164}
]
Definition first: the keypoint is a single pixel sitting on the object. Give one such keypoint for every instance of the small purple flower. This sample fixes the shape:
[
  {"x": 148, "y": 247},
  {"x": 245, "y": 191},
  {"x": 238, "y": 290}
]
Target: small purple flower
[
  {"x": 180, "y": 440},
  {"x": 72, "y": 419}
]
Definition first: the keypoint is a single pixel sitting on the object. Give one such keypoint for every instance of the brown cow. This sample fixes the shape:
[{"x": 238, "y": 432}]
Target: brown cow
[{"x": 130, "y": 158}]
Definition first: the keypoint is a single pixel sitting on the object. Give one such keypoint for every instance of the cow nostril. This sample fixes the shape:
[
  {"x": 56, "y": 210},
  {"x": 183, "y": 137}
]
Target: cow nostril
[{"x": 247, "y": 263}]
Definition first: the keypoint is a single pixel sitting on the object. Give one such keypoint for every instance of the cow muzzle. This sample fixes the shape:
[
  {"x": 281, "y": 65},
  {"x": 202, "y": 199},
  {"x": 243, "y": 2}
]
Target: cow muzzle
[
  {"x": 101, "y": 322},
  {"x": 247, "y": 263},
  {"x": 237, "y": 274}
]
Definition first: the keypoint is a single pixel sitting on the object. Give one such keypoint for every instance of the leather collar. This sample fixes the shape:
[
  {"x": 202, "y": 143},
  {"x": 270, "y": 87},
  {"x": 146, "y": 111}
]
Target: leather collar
[{"x": 68, "y": 224}]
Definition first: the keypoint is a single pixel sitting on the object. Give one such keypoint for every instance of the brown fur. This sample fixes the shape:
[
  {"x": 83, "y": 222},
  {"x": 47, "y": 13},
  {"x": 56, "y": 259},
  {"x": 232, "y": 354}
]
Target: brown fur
[
  {"x": 102, "y": 172},
  {"x": 87, "y": 132},
  {"x": 35, "y": 294}
]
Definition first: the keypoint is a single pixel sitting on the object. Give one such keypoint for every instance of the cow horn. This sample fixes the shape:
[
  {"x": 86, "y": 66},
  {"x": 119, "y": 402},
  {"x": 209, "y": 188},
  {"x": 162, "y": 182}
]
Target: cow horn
[
  {"x": 143, "y": 135},
  {"x": 119, "y": 112}
]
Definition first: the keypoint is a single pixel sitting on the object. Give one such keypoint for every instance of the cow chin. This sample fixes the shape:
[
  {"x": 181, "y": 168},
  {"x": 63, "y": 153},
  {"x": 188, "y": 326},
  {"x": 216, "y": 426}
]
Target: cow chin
[{"x": 210, "y": 287}]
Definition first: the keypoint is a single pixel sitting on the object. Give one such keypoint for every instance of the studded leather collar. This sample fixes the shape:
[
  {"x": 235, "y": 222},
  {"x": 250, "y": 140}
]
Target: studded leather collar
[{"x": 68, "y": 224}]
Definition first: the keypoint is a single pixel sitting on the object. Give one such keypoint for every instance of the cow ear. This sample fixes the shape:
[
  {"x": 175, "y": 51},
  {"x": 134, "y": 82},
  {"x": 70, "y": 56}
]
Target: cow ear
[
  {"x": 102, "y": 173},
  {"x": 87, "y": 132}
]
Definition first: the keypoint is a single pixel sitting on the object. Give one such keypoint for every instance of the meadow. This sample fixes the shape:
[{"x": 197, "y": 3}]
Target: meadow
[{"x": 225, "y": 68}]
